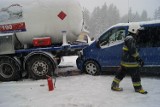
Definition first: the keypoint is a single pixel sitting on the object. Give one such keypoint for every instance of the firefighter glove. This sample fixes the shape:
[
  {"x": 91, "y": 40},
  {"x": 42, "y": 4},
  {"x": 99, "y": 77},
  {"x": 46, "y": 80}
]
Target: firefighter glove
[{"x": 141, "y": 62}]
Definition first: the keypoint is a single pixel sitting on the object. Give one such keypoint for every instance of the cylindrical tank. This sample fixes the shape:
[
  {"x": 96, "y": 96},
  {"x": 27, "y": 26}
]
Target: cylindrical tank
[{"x": 40, "y": 18}]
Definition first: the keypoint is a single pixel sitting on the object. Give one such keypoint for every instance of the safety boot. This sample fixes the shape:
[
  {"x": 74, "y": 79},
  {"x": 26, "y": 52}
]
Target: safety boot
[
  {"x": 115, "y": 87},
  {"x": 141, "y": 91}
]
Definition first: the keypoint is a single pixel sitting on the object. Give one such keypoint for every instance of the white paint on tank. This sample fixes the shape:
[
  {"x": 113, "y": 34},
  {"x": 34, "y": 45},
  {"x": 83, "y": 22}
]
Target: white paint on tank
[{"x": 41, "y": 19}]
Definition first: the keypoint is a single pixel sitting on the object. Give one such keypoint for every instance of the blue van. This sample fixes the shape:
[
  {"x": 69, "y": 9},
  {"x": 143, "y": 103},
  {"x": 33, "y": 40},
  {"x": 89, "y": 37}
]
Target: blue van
[{"x": 105, "y": 52}]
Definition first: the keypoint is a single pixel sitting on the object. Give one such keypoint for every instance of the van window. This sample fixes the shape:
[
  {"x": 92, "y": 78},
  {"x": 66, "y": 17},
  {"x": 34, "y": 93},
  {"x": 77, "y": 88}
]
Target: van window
[
  {"x": 150, "y": 37},
  {"x": 112, "y": 36}
]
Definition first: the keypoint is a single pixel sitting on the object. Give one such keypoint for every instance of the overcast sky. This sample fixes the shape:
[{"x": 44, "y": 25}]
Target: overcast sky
[{"x": 122, "y": 5}]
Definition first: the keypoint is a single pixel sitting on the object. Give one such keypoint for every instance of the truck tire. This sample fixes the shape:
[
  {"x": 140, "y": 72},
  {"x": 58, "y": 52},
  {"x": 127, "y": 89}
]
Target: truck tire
[
  {"x": 9, "y": 69},
  {"x": 39, "y": 67},
  {"x": 91, "y": 67}
]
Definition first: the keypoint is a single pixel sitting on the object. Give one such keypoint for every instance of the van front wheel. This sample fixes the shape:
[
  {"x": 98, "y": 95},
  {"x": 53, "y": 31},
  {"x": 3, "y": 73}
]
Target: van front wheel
[{"x": 91, "y": 67}]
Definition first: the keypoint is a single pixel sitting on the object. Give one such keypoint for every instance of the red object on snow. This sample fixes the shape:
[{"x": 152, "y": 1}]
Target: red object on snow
[{"x": 50, "y": 83}]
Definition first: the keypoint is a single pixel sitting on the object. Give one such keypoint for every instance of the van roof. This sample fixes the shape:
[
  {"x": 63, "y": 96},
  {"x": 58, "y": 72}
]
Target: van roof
[
  {"x": 127, "y": 24},
  {"x": 141, "y": 23}
]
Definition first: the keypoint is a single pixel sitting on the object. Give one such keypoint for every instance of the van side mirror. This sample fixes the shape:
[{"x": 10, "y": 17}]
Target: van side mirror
[
  {"x": 97, "y": 44},
  {"x": 92, "y": 38}
]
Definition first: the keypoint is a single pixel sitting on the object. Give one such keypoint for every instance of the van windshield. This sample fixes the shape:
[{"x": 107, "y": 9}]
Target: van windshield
[{"x": 112, "y": 36}]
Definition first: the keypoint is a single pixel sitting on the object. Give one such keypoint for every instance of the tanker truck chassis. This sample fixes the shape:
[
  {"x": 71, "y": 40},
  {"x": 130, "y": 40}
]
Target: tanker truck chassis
[
  {"x": 32, "y": 36},
  {"x": 34, "y": 62}
]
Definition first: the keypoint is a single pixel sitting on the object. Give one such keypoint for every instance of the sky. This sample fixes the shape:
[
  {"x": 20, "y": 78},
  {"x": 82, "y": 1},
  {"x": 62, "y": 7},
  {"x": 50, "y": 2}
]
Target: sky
[{"x": 122, "y": 5}]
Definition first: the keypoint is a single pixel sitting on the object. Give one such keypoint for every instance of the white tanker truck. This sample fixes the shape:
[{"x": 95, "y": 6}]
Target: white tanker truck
[{"x": 31, "y": 35}]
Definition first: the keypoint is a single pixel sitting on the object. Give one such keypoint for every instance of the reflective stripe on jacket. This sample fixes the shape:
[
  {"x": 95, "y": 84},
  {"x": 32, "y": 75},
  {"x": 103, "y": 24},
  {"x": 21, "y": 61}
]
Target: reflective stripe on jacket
[
  {"x": 130, "y": 54},
  {"x": 129, "y": 64}
]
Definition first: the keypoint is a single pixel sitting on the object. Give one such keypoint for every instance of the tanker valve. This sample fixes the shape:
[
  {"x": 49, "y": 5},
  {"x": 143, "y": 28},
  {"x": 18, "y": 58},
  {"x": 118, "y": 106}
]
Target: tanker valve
[{"x": 65, "y": 44}]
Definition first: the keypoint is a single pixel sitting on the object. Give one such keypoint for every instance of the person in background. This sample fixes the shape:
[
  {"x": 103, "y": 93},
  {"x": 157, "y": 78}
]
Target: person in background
[{"x": 130, "y": 62}]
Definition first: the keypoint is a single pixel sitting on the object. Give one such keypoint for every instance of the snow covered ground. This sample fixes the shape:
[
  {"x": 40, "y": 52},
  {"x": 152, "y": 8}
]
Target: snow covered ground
[{"x": 78, "y": 91}]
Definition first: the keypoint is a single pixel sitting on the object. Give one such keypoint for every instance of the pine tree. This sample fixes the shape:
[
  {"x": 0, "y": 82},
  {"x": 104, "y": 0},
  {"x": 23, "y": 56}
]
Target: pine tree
[
  {"x": 134, "y": 17},
  {"x": 104, "y": 17},
  {"x": 157, "y": 13},
  {"x": 94, "y": 24},
  {"x": 86, "y": 17},
  {"x": 144, "y": 16},
  {"x": 113, "y": 15}
]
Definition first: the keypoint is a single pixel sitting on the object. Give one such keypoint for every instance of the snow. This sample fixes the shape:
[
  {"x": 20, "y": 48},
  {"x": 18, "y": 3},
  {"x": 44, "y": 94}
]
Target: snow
[{"x": 78, "y": 91}]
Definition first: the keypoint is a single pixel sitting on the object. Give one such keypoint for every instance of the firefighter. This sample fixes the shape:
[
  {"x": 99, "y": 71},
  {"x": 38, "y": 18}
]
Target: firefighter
[{"x": 130, "y": 62}]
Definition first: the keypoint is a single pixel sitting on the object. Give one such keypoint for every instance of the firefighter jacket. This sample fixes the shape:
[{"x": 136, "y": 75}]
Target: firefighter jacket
[{"x": 130, "y": 55}]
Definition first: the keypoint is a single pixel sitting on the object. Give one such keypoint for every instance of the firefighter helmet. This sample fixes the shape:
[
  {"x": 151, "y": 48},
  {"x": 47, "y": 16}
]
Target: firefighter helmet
[{"x": 134, "y": 27}]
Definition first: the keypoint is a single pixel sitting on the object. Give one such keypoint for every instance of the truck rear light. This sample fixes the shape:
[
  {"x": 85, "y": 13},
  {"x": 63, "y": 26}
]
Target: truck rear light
[{"x": 43, "y": 41}]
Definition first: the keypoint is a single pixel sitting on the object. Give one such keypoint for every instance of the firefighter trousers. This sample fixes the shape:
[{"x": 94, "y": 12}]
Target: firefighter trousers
[{"x": 134, "y": 72}]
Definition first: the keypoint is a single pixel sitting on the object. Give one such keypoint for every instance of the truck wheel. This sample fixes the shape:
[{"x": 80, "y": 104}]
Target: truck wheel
[
  {"x": 92, "y": 68},
  {"x": 9, "y": 71},
  {"x": 39, "y": 67}
]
